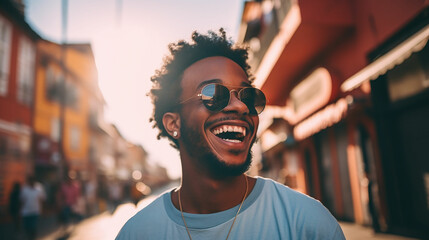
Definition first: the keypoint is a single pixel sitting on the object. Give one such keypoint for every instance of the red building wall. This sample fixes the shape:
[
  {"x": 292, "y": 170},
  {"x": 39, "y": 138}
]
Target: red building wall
[
  {"x": 375, "y": 21},
  {"x": 11, "y": 109},
  {"x": 15, "y": 117}
]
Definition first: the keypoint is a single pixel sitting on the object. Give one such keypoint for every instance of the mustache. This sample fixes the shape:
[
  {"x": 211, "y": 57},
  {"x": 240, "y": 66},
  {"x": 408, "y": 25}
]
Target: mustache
[{"x": 228, "y": 118}]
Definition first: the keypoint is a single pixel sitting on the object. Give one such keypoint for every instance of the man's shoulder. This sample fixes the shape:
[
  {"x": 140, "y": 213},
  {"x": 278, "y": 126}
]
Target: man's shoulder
[
  {"x": 293, "y": 200},
  {"x": 283, "y": 191},
  {"x": 308, "y": 216},
  {"x": 148, "y": 218},
  {"x": 155, "y": 208}
]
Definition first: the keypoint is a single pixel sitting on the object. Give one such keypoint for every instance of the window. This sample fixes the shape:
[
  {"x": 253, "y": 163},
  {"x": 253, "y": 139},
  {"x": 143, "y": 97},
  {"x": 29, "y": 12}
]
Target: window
[
  {"x": 74, "y": 138},
  {"x": 54, "y": 85},
  {"x": 26, "y": 61},
  {"x": 50, "y": 87},
  {"x": 72, "y": 94},
  {"x": 56, "y": 91},
  {"x": 55, "y": 129},
  {"x": 409, "y": 78},
  {"x": 5, "y": 46}
]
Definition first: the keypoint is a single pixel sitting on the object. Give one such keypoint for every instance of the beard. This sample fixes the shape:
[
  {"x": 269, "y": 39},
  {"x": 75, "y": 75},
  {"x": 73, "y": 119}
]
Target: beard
[{"x": 199, "y": 149}]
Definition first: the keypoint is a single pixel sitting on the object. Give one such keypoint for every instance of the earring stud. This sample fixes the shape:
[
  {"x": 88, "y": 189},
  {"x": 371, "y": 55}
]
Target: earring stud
[{"x": 175, "y": 134}]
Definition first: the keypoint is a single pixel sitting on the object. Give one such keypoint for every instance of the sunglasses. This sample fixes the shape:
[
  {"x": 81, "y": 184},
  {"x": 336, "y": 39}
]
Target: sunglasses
[{"x": 216, "y": 97}]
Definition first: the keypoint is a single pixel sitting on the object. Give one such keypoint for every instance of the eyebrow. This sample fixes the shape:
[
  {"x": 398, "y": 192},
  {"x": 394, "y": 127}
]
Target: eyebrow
[{"x": 216, "y": 80}]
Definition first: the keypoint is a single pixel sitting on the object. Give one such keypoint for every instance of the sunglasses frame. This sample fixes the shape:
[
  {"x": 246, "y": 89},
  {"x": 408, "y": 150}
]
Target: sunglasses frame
[{"x": 200, "y": 95}]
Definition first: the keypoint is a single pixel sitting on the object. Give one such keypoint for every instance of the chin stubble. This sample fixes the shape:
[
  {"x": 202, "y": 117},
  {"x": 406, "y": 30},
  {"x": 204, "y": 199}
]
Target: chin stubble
[{"x": 198, "y": 148}]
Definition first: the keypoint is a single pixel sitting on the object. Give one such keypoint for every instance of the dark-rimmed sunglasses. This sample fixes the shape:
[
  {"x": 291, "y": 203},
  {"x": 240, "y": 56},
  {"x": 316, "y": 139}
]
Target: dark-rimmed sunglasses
[{"x": 216, "y": 97}]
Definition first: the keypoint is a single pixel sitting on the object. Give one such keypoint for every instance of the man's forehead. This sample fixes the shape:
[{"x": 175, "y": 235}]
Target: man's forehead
[{"x": 215, "y": 70}]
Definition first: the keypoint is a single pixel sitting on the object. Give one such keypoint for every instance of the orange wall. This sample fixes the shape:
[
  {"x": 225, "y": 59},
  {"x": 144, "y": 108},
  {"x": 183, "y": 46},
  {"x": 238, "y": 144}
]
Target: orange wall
[
  {"x": 81, "y": 72},
  {"x": 44, "y": 110}
]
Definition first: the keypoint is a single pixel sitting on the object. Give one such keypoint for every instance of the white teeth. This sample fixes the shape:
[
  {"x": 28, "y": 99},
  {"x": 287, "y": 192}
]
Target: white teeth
[
  {"x": 232, "y": 140},
  {"x": 228, "y": 128}
]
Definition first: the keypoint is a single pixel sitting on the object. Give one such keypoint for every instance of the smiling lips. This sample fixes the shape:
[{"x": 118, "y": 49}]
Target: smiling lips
[{"x": 230, "y": 133}]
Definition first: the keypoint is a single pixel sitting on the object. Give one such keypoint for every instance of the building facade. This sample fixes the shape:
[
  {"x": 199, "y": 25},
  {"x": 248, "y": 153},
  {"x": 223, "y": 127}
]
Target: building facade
[
  {"x": 65, "y": 86},
  {"x": 17, "y": 80},
  {"x": 347, "y": 86},
  {"x": 52, "y": 122}
]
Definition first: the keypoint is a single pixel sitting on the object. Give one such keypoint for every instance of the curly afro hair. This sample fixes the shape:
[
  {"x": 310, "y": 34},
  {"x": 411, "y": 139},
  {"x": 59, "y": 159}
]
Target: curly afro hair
[{"x": 166, "y": 83}]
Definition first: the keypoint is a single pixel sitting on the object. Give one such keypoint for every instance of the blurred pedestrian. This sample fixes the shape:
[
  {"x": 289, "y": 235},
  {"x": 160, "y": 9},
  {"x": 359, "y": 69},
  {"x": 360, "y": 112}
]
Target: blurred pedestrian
[
  {"x": 15, "y": 206},
  {"x": 102, "y": 194},
  {"x": 115, "y": 195},
  {"x": 68, "y": 197},
  {"x": 79, "y": 207},
  {"x": 31, "y": 196},
  {"x": 90, "y": 192}
]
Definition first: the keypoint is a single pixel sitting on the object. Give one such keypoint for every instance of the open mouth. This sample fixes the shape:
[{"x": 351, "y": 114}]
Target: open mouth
[{"x": 230, "y": 133}]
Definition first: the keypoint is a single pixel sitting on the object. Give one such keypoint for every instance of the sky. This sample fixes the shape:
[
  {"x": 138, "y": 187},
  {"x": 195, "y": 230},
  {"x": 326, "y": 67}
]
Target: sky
[{"x": 129, "y": 40}]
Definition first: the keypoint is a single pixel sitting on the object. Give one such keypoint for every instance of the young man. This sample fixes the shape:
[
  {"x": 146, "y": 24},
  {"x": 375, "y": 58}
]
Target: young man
[{"x": 205, "y": 104}]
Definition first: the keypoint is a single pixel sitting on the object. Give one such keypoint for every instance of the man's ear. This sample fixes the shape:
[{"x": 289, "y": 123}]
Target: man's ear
[{"x": 171, "y": 123}]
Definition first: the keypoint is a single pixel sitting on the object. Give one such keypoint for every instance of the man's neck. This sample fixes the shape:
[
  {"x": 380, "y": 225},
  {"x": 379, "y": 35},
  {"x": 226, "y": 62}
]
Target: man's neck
[{"x": 204, "y": 195}]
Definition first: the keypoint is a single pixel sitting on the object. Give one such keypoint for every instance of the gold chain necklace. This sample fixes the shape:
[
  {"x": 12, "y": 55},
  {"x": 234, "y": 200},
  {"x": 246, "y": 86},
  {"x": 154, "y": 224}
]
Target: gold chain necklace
[{"x": 241, "y": 204}]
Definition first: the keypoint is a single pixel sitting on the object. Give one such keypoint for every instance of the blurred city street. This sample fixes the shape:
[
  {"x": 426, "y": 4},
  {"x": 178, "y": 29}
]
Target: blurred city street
[
  {"x": 353, "y": 231},
  {"x": 343, "y": 85},
  {"x": 106, "y": 225}
]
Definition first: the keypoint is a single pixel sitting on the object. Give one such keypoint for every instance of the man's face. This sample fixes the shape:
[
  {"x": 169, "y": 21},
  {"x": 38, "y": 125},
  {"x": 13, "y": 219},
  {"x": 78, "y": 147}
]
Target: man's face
[{"x": 218, "y": 142}]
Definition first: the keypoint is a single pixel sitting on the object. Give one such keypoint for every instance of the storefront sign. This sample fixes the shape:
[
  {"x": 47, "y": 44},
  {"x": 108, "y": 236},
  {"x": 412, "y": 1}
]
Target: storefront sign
[
  {"x": 322, "y": 119},
  {"x": 309, "y": 95}
]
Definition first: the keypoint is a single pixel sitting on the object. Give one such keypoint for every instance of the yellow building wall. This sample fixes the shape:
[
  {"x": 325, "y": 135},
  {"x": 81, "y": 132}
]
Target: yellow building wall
[
  {"x": 81, "y": 72},
  {"x": 78, "y": 118},
  {"x": 44, "y": 110}
]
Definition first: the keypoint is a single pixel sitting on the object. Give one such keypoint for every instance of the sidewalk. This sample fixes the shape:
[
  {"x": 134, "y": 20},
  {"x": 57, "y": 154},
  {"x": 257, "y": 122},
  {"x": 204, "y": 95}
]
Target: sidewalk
[
  {"x": 354, "y": 231},
  {"x": 50, "y": 227}
]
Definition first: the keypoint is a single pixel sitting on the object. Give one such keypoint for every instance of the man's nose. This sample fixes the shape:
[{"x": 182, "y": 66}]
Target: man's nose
[{"x": 235, "y": 104}]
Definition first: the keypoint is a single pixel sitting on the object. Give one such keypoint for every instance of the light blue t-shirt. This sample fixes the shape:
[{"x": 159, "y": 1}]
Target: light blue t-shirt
[{"x": 271, "y": 211}]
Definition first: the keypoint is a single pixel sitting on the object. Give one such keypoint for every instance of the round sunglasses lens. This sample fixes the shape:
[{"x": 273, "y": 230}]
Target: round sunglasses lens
[
  {"x": 215, "y": 97},
  {"x": 254, "y": 99}
]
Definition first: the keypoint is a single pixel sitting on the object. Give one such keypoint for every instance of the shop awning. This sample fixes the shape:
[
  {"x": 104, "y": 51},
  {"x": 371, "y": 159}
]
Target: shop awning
[
  {"x": 308, "y": 30},
  {"x": 388, "y": 61}
]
